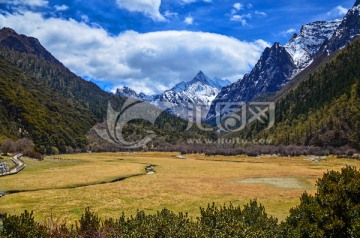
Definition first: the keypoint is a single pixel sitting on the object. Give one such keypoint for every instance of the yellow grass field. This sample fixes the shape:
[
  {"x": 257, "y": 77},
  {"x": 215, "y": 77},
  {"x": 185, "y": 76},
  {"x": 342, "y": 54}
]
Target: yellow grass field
[{"x": 66, "y": 184}]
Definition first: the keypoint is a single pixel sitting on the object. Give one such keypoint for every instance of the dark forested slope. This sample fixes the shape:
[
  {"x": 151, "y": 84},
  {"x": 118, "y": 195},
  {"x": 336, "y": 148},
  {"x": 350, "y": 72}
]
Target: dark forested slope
[{"x": 31, "y": 109}]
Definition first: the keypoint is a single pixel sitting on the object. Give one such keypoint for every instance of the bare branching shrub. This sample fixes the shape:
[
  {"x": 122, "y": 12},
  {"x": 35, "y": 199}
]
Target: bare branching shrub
[
  {"x": 24, "y": 144},
  {"x": 8, "y": 146}
]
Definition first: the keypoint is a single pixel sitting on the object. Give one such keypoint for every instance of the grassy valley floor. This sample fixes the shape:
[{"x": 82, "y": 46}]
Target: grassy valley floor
[{"x": 110, "y": 183}]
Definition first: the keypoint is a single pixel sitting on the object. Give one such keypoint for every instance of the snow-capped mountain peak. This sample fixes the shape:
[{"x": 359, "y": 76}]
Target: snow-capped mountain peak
[
  {"x": 200, "y": 92},
  {"x": 201, "y": 77},
  {"x": 127, "y": 92},
  {"x": 306, "y": 45},
  {"x": 201, "y": 80}
]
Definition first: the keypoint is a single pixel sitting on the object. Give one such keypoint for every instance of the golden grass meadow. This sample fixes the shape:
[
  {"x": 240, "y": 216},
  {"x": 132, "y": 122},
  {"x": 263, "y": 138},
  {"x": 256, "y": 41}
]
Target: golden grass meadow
[{"x": 64, "y": 185}]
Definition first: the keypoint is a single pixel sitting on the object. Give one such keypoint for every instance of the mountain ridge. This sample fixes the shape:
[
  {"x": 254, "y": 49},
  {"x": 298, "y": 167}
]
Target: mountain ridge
[
  {"x": 265, "y": 73},
  {"x": 11, "y": 40},
  {"x": 323, "y": 110}
]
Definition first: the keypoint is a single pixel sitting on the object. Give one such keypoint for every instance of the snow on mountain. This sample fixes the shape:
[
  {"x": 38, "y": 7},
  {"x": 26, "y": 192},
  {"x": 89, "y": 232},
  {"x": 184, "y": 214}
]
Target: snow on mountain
[
  {"x": 179, "y": 100},
  {"x": 201, "y": 90},
  {"x": 129, "y": 93},
  {"x": 304, "y": 47}
]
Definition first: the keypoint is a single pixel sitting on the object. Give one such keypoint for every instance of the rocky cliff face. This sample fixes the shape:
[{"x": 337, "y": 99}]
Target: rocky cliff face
[
  {"x": 269, "y": 75},
  {"x": 348, "y": 30}
]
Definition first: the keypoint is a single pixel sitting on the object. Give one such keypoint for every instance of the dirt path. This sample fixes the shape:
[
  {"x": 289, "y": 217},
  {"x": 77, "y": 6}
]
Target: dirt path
[{"x": 19, "y": 165}]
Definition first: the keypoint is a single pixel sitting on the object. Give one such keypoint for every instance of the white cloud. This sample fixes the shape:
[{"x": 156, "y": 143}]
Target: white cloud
[
  {"x": 149, "y": 8},
  {"x": 192, "y": 1},
  {"x": 259, "y": 13},
  {"x": 60, "y": 8},
  {"x": 147, "y": 62},
  {"x": 238, "y": 6},
  {"x": 189, "y": 20},
  {"x": 29, "y": 3},
  {"x": 287, "y": 32},
  {"x": 337, "y": 12},
  {"x": 241, "y": 18},
  {"x": 170, "y": 14},
  {"x": 85, "y": 18},
  {"x": 291, "y": 31}
]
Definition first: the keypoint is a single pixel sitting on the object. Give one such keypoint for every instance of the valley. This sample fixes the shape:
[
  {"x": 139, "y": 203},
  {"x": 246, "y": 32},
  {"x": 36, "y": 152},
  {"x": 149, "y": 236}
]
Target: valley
[{"x": 106, "y": 129}]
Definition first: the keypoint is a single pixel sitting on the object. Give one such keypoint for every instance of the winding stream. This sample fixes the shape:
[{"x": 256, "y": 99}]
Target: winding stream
[{"x": 3, "y": 193}]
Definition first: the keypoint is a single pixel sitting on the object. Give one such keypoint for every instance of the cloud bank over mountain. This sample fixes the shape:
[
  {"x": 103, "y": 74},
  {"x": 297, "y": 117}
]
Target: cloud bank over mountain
[{"x": 148, "y": 62}]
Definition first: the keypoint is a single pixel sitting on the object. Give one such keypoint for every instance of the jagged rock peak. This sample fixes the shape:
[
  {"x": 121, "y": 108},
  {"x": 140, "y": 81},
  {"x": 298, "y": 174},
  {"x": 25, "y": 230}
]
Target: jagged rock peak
[
  {"x": 8, "y": 30},
  {"x": 126, "y": 90},
  {"x": 201, "y": 77},
  {"x": 130, "y": 93},
  {"x": 276, "y": 45}
]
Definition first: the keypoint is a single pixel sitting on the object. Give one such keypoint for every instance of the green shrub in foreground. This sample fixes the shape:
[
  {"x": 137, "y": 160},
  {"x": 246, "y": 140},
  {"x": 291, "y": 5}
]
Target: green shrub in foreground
[{"x": 333, "y": 212}]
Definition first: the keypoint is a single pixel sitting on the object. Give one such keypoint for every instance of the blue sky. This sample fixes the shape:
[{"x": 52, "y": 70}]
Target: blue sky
[{"x": 150, "y": 45}]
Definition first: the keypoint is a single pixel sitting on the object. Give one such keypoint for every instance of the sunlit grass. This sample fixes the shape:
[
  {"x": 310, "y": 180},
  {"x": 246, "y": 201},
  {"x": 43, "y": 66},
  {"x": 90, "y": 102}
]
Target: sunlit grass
[{"x": 178, "y": 184}]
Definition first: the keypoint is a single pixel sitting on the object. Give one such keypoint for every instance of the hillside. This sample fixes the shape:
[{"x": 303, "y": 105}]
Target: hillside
[
  {"x": 32, "y": 58},
  {"x": 323, "y": 110},
  {"x": 44, "y": 100},
  {"x": 31, "y": 109}
]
